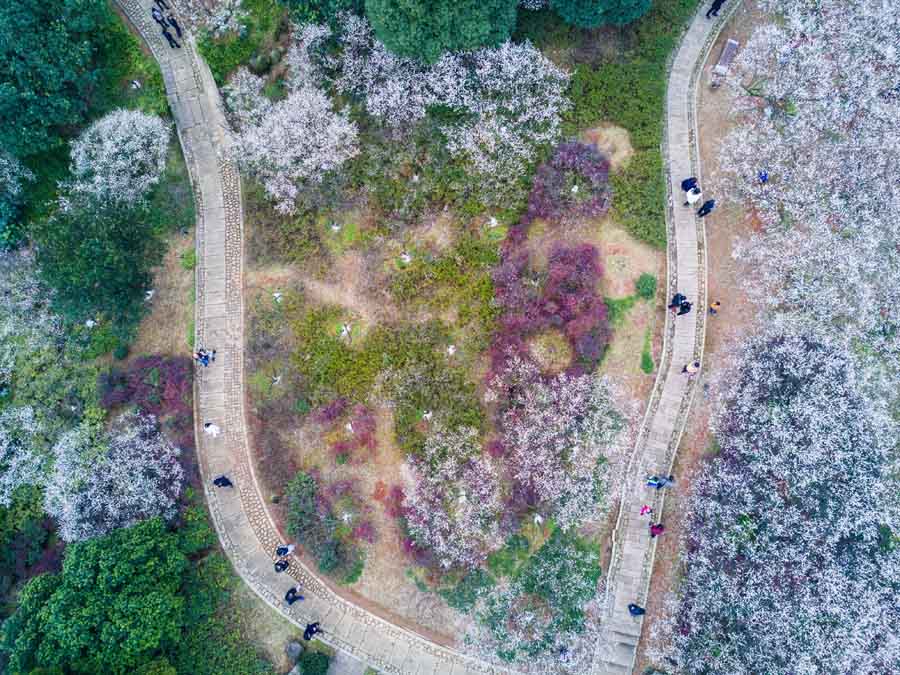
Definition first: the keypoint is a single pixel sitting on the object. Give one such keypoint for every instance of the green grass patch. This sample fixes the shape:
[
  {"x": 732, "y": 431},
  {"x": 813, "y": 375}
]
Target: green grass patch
[
  {"x": 647, "y": 364},
  {"x": 267, "y": 20},
  {"x": 188, "y": 259},
  {"x": 617, "y": 308}
]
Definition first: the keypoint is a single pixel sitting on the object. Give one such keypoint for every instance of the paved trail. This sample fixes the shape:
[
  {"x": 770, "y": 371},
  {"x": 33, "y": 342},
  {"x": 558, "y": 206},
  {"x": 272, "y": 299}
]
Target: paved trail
[
  {"x": 246, "y": 530},
  {"x": 628, "y": 578}
]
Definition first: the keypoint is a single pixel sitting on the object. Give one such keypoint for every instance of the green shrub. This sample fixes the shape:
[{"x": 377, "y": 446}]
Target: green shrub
[
  {"x": 188, "y": 259},
  {"x": 120, "y": 352},
  {"x": 647, "y": 364},
  {"x": 593, "y": 13},
  {"x": 646, "y": 286},
  {"x": 617, "y": 308},
  {"x": 463, "y": 595},
  {"x": 506, "y": 561},
  {"x": 313, "y": 663},
  {"x": 640, "y": 198}
]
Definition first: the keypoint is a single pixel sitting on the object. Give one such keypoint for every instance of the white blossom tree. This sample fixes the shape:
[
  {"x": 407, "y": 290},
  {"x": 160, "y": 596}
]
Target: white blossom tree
[
  {"x": 791, "y": 557},
  {"x": 455, "y": 506},
  {"x": 23, "y": 451},
  {"x": 562, "y": 434},
  {"x": 13, "y": 175},
  {"x": 103, "y": 480},
  {"x": 818, "y": 99},
  {"x": 218, "y": 17},
  {"x": 119, "y": 157}
]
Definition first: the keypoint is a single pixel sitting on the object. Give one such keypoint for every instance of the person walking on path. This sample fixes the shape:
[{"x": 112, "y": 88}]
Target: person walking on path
[
  {"x": 707, "y": 208},
  {"x": 692, "y": 368},
  {"x": 311, "y": 630},
  {"x": 222, "y": 481},
  {"x": 714, "y": 8},
  {"x": 656, "y": 530},
  {"x": 714, "y": 307},
  {"x": 171, "y": 19},
  {"x": 158, "y": 17},
  {"x": 763, "y": 177},
  {"x": 292, "y": 595},
  {"x": 284, "y": 550},
  {"x": 646, "y": 510},
  {"x": 688, "y": 184},
  {"x": 211, "y": 429},
  {"x": 659, "y": 483},
  {"x": 677, "y": 299},
  {"x": 683, "y": 308},
  {"x": 693, "y": 196},
  {"x": 636, "y": 610},
  {"x": 162, "y": 4},
  {"x": 282, "y": 565},
  {"x": 172, "y": 43}
]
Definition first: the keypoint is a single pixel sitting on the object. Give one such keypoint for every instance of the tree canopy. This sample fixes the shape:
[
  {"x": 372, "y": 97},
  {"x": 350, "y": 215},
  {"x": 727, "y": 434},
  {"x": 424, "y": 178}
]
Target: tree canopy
[
  {"x": 116, "y": 601},
  {"x": 426, "y": 29},
  {"x": 593, "y": 13},
  {"x": 48, "y": 69}
]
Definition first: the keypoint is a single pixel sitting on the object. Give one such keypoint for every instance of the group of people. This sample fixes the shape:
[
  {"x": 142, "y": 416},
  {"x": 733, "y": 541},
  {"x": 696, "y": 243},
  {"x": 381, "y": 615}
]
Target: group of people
[
  {"x": 692, "y": 195},
  {"x": 656, "y": 529},
  {"x": 165, "y": 21}
]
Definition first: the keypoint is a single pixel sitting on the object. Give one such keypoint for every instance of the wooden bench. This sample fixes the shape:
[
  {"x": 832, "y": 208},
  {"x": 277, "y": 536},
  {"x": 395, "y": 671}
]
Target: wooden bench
[{"x": 720, "y": 70}]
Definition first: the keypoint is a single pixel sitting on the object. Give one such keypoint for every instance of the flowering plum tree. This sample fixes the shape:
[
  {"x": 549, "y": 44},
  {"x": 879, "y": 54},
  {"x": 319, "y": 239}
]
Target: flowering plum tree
[
  {"x": 817, "y": 95},
  {"x": 23, "y": 451},
  {"x": 791, "y": 558},
  {"x": 561, "y": 434},
  {"x": 455, "y": 505},
  {"x": 218, "y": 17},
  {"x": 103, "y": 480},
  {"x": 12, "y": 176},
  {"x": 119, "y": 157}
]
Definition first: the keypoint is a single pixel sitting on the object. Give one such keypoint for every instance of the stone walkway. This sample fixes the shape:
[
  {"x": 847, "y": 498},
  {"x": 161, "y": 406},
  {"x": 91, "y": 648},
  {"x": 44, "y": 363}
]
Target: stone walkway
[
  {"x": 631, "y": 564},
  {"x": 246, "y": 531}
]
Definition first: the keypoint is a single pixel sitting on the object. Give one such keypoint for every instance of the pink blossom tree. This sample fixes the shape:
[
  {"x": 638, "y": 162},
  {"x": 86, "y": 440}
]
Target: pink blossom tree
[
  {"x": 455, "y": 505},
  {"x": 791, "y": 562}
]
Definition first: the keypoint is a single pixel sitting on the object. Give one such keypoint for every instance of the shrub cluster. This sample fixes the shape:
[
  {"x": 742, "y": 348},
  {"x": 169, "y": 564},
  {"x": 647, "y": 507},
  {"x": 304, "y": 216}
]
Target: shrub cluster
[
  {"x": 568, "y": 301},
  {"x": 573, "y": 183},
  {"x": 330, "y": 521},
  {"x": 158, "y": 385}
]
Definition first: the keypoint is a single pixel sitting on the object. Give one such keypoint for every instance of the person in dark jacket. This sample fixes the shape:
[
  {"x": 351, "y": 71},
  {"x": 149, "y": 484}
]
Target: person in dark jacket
[
  {"x": 158, "y": 17},
  {"x": 677, "y": 299},
  {"x": 688, "y": 183},
  {"x": 311, "y": 630},
  {"x": 636, "y": 610},
  {"x": 282, "y": 565},
  {"x": 171, "y": 40},
  {"x": 708, "y": 206},
  {"x": 684, "y": 308},
  {"x": 714, "y": 8},
  {"x": 292, "y": 596},
  {"x": 162, "y": 4},
  {"x": 171, "y": 20},
  {"x": 222, "y": 482}
]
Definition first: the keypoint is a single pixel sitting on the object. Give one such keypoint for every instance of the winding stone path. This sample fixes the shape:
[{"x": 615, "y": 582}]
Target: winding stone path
[
  {"x": 246, "y": 531},
  {"x": 631, "y": 564}
]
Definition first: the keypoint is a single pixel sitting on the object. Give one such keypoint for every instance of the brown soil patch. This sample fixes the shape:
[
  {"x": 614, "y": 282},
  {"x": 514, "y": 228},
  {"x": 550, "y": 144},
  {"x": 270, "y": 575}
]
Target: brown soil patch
[
  {"x": 164, "y": 330},
  {"x": 613, "y": 141},
  {"x": 738, "y": 316},
  {"x": 551, "y": 350}
]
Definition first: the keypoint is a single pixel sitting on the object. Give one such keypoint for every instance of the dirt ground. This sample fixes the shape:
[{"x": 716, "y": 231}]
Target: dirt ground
[
  {"x": 172, "y": 304},
  {"x": 737, "y": 317}
]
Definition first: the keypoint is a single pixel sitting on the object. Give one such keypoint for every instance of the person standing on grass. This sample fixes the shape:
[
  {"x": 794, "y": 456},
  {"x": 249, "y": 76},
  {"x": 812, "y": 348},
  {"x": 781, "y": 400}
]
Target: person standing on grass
[
  {"x": 714, "y": 8},
  {"x": 714, "y": 307},
  {"x": 656, "y": 530},
  {"x": 692, "y": 368},
  {"x": 693, "y": 196},
  {"x": 707, "y": 208}
]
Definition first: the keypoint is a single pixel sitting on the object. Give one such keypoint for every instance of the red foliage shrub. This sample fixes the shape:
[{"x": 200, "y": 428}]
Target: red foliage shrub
[
  {"x": 158, "y": 385},
  {"x": 365, "y": 531},
  {"x": 573, "y": 183},
  {"x": 360, "y": 426},
  {"x": 392, "y": 500},
  {"x": 329, "y": 412},
  {"x": 496, "y": 449}
]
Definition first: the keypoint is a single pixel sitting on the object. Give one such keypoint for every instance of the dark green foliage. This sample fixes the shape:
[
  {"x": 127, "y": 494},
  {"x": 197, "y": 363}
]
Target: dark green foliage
[
  {"x": 116, "y": 602},
  {"x": 593, "y": 13},
  {"x": 313, "y": 663},
  {"x": 640, "y": 197},
  {"x": 425, "y": 29},
  {"x": 647, "y": 364},
  {"x": 322, "y": 11},
  {"x": 265, "y": 23},
  {"x": 48, "y": 69},
  {"x": 463, "y": 595},
  {"x": 506, "y": 561},
  {"x": 646, "y": 286}
]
